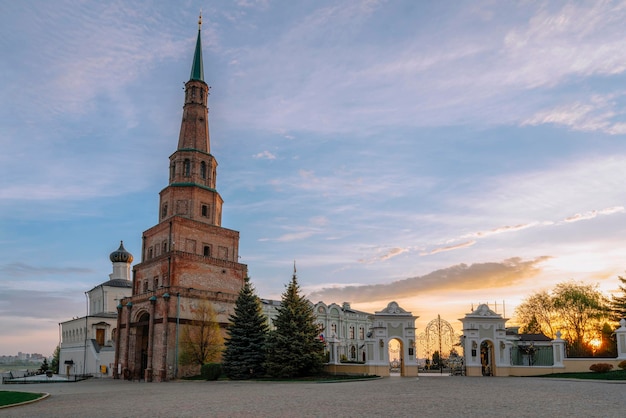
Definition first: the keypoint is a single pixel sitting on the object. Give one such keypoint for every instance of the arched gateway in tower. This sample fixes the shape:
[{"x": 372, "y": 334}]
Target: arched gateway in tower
[{"x": 187, "y": 258}]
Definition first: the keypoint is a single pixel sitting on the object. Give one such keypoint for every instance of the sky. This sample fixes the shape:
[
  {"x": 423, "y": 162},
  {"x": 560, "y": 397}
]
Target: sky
[{"x": 438, "y": 154}]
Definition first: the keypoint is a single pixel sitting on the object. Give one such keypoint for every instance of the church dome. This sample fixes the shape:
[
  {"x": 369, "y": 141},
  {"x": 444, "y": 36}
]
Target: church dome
[{"x": 121, "y": 255}]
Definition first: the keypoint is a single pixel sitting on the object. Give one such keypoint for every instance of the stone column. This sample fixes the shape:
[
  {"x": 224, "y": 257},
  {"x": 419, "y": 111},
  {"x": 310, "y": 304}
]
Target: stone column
[
  {"x": 149, "y": 369},
  {"x": 558, "y": 350},
  {"x": 166, "y": 314},
  {"x": 118, "y": 337},
  {"x": 125, "y": 370}
]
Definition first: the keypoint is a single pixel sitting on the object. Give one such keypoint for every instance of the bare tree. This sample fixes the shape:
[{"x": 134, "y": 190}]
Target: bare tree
[{"x": 201, "y": 340}]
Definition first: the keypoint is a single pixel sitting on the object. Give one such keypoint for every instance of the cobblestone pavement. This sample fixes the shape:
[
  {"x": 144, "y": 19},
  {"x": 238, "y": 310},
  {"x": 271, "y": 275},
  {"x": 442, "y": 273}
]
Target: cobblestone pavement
[{"x": 425, "y": 396}]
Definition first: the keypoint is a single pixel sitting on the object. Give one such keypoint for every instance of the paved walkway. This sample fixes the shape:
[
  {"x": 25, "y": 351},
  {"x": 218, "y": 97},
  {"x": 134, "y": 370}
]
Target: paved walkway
[{"x": 395, "y": 397}]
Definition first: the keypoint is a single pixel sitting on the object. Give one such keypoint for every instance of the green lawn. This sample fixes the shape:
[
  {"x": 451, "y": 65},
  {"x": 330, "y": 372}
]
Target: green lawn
[
  {"x": 612, "y": 375},
  {"x": 9, "y": 398}
]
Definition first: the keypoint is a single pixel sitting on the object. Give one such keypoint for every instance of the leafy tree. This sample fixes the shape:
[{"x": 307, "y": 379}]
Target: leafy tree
[
  {"x": 578, "y": 310},
  {"x": 201, "y": 340},
  {"x": 245, "y": 344},
  {"x": 537, "y": 314},
  {"x": 294, "y": 348},
  {"x": 618, "y": 302},
  {"x": 54, "y": 364},
  {"x": 582, "y": 309}
]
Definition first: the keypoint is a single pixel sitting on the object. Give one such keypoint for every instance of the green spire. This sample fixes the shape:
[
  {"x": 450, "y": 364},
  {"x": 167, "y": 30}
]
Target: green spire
[{"x": 197, "y": 69}]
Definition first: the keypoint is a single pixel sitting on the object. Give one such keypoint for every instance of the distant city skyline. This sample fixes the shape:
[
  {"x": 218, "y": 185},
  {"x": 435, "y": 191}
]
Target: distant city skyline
[{"x": 439, "y": 154}]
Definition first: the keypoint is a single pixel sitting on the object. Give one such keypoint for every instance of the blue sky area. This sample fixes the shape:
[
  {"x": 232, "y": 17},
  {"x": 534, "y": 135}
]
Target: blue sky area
[{"x": 436, "y": 153}]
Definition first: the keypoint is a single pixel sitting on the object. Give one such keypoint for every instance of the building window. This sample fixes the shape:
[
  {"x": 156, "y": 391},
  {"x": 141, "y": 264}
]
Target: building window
[
  {"x": 205, "y": 211},
  {"x": 203, "y": 169},
  {"x": 333, "y": 329},
  {"x": 187, "y": 168},
  {"x": 155, "y": 282},
  {"x": 164, "y": 210},
  {"x": 145, "y": 286},
  {"x": 173, "y": 171},
  {"x": 164, "y": 247},
  {"x": 352, "y": 333},
  {"x": 150, "y": 253},
  {"x": 353, "y": 353},
  {"x": 361, "y": 333},
  {"x": 207, "y": 251}
]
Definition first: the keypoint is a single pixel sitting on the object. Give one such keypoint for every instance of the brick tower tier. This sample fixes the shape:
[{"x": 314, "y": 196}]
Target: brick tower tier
[{"x": 188, "y": 258}]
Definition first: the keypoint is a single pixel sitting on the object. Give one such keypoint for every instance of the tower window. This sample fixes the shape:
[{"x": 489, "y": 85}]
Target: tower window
[
  {"x": 207, "y": 251},
  {"x": 145, "y": 286},
  {"x": 164, "y": 247},
  {"x": 205, "y": 210},
  {"x": 164, "y": 212},
  {"x": 173, "y": 171},
  {"x": 149, "y": 253},
  {"x": 187, "y": 167},
  {"x": 203, "y": 169}
]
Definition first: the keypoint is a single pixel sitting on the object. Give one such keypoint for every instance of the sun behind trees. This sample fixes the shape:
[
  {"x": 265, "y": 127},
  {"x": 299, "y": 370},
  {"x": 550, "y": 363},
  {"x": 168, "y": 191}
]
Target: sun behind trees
[{"x": 578, "y": 310}]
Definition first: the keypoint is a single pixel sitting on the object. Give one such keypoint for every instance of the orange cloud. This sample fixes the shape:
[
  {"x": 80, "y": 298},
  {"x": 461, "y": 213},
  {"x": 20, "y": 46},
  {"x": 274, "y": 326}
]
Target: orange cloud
[{"x": 459, "y": 277}]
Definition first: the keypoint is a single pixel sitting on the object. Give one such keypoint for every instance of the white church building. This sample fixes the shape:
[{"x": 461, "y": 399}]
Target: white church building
[{"x": 88, "y": 343}]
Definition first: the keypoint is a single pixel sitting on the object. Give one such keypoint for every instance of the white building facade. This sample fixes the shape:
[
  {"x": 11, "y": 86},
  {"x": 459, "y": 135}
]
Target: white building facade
[{"x": 88, "y": 343}]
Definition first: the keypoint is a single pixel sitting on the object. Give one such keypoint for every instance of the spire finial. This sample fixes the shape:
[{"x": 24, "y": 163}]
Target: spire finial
[
  {"x": 197, "y": 69},
  {"x": 294, "y": 267}
]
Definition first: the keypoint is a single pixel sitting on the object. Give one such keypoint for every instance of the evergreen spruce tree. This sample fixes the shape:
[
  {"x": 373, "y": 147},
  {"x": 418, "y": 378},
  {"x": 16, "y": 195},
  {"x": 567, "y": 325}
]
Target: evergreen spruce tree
[
  {"x": 618, "y": 302},
  {"x": 294, "y": 348},
  {"x": 245, "y": 344}
]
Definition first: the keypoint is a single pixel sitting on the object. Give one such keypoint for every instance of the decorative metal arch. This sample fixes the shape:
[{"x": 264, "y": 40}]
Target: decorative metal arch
[{"x": 438, "y": 335}]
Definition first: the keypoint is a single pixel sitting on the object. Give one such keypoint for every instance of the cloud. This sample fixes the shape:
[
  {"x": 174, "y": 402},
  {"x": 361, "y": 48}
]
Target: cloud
[
  {"x": 265, "y": 155},
  {"x": 600, "y": 113},
  {"x": 455, "y": 278},
  {"x": 454, "y": 72},
  {"x": 593, "y": 214},
  {"x": 450, "y": 248},
  {"x": 17, "y": 269},
  {"x": 48, "y": 305},
  {"x": 388, "y": 254}
]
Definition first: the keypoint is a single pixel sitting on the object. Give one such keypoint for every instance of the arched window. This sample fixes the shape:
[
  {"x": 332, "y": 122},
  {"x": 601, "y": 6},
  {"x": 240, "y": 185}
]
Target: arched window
[
  {"x": 203, "y": 169},
  {"x": 187, "y": 167},
  {"x": 353, "y": 352},
  {"x": 352, "y": 333}
]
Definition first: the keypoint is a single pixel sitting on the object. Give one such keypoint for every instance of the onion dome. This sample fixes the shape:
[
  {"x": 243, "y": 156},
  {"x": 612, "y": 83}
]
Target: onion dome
[{"x": 121, "y": 255}]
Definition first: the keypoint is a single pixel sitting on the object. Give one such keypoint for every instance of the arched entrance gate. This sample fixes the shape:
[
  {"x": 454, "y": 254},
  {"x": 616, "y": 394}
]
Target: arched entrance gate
[
  {"x": 393, "y": 327},
  {"x": 484, "y": 343}
]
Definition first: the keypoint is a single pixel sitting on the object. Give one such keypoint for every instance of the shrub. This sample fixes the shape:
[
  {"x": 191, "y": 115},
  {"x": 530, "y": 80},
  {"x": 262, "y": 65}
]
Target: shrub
[
  {"x": 211, "y": 371},
  {"x": 622, "y": 365},
  {"x": 601, "y": 367}
]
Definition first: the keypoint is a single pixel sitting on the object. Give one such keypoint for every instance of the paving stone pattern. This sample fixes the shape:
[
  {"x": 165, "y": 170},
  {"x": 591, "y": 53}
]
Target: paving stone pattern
[{"x": 425, "y": 396}]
